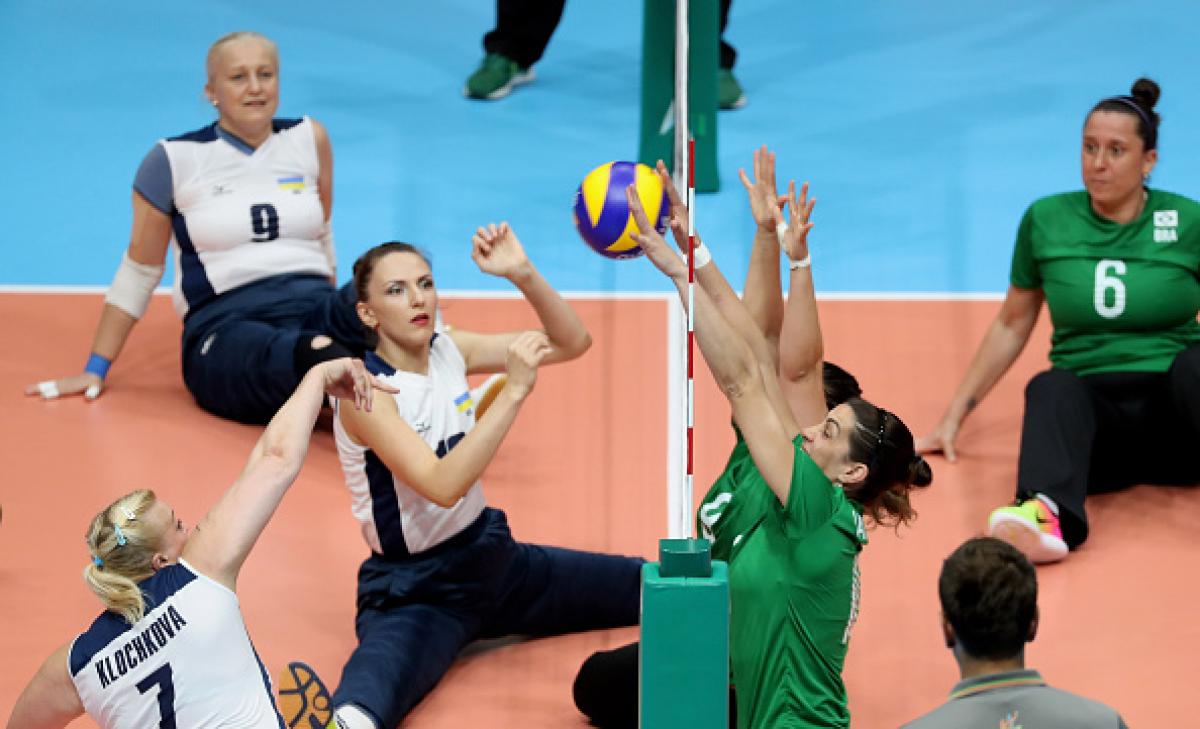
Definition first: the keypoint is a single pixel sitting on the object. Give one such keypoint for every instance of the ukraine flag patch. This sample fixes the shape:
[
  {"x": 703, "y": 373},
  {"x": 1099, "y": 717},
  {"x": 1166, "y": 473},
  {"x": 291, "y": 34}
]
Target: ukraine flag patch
[
  {"x": 464, "y": 402},
  {"x": 291, "y": 183}
]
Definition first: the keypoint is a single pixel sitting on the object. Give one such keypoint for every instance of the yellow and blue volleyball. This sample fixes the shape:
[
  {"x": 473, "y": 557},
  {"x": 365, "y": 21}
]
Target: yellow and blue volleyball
[{"x": 602, "y": 213}]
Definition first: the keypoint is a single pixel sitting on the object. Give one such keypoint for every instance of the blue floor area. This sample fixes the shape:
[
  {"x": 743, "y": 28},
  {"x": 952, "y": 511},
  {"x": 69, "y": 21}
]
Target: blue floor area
[{"x": 925, "y": 127}]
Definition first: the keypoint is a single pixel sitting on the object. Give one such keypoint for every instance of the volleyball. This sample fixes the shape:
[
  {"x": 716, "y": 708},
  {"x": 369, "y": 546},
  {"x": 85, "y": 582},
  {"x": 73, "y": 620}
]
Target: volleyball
[{"x": 602, "y": 214}]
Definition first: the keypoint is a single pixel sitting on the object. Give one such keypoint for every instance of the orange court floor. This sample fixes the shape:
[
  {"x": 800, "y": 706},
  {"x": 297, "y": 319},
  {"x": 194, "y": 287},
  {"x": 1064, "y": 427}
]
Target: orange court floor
[{"x": 585, "y": 466}]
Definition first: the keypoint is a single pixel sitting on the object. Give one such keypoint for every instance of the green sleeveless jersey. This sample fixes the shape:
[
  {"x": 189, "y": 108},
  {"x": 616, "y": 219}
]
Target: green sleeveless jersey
[
  {"x": 1121, "y": 297},
  {"x": 794, "y": 590}
]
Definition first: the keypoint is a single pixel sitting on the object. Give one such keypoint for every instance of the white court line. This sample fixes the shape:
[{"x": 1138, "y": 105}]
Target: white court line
[
  {"x": 678, "y": 514},
  {"x": 582, "y": 295}
]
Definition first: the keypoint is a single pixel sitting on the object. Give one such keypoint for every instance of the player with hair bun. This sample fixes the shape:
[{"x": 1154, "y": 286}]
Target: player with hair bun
[{"x": 1118, "y": 265}]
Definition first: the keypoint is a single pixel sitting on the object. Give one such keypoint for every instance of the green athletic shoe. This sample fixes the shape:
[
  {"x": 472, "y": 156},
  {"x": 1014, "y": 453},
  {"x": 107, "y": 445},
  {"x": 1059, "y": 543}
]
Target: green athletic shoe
[
  {"x": 496, "y": 77},
  {"x": 729, "y": 91}
]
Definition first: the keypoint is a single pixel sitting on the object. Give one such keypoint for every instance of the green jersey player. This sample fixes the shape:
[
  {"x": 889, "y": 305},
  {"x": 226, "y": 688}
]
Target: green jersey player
[{"x": 1116, "y": 264}]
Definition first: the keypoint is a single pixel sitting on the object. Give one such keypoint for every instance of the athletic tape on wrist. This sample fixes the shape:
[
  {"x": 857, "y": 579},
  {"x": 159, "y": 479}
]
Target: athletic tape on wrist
[
  {"x": 802, "y": 263},
  {"x": 133, "y": 285},
  {"x": 98, "y": 365}
]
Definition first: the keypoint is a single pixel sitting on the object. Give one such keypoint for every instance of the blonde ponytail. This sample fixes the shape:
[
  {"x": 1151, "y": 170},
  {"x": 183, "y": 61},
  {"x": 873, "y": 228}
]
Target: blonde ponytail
[{"x": 122, "y": 545}]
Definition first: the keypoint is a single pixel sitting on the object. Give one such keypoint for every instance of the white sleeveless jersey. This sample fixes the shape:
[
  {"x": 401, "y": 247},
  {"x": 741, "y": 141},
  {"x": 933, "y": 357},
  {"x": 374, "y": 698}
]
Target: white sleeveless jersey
[
  {"x": 243, "y": 214},
  {"x": 396, "y": 520},
  {"x": 187, "y": 663}
]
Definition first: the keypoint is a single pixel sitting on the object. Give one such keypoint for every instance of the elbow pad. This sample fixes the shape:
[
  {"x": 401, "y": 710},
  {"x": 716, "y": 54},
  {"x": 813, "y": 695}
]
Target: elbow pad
[{"x": 133, "y": 286}]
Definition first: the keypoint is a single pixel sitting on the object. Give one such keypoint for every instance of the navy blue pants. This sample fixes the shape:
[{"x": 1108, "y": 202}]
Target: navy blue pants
[
  {"x": 1098, "y": 433},
  {"x": 239, "y": 350},
  {"x": 416, "y": 614}
]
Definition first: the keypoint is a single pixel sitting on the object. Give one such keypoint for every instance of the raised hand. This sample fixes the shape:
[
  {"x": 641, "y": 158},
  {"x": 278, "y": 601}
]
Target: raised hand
[
  {"x": 348, "y": 379},
  {"x": 679, "y": 209},
  {"x": 795, "y": 239},
  {"x": 766, "y": 205},
  {"x": 497, "y": 251},
  {"x": 525, "y": 353},
  {"x": 653, "y": 244},
  {"x": 86, "y": 384}
]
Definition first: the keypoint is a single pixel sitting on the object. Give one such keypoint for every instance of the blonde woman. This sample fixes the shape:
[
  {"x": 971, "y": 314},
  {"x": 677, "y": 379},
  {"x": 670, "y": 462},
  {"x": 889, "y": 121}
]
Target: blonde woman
[
  {"x": 245, "y": 204},
  {"x": 170, "y": 648}
]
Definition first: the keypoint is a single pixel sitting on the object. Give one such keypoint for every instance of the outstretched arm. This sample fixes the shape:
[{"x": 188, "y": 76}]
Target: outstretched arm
[
  {"x": 140, "y": 270},
  {"x": 1000, "y": 347},
  {"x": 447, "y": 479},
  {"x": 50, "y": 701},
  {"x": 726, "y": 301},
  {"x": 762, "y": 293},
  {"x": 731, "y": 362},
  {"x": 223, "y": 538},
  {"x": 801, "y": 345},
  {"x": 497, "y": 251}
]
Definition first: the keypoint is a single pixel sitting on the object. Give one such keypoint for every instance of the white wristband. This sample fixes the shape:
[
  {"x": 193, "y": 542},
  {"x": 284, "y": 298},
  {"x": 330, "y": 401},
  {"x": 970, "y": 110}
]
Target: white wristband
[
  {"x": 802, "y": 263},
  {"x": 702, "y": 255},
  {"x": 133, "y": 285}
]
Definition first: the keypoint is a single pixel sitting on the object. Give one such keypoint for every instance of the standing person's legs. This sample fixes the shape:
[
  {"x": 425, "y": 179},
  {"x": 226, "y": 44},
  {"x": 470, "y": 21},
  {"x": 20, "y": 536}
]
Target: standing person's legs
[
  {"x": 523, "y": 29},
  {"x": 550, "y": 590},
  {"x": 728, "y": 54},
  {"x": 729, "y": 92}
]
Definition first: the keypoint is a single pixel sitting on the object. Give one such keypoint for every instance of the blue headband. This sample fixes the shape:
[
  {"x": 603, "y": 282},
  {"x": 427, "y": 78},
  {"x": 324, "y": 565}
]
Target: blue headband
[
  {"x": 120, "y": 535},
  {"x": 1133, "y": 104}
]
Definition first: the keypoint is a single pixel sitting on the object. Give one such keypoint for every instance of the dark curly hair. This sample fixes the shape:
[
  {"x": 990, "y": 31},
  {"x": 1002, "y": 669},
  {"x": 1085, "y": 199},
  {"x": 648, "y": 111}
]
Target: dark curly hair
[{"x": 882, "y": 442}]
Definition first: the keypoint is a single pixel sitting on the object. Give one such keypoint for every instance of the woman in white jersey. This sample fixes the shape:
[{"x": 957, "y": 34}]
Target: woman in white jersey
[
  {"x": 245, "y": 204},
  {"x": 170, "y": 649},
  {"x": 444, "y": 569}
]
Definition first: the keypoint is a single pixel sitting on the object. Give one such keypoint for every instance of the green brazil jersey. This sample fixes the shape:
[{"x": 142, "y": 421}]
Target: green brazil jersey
[
  {"x": 723, "y": 520},
  {"x": 1122, "y": 297},
  {"x": 794, "y": 594}
]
